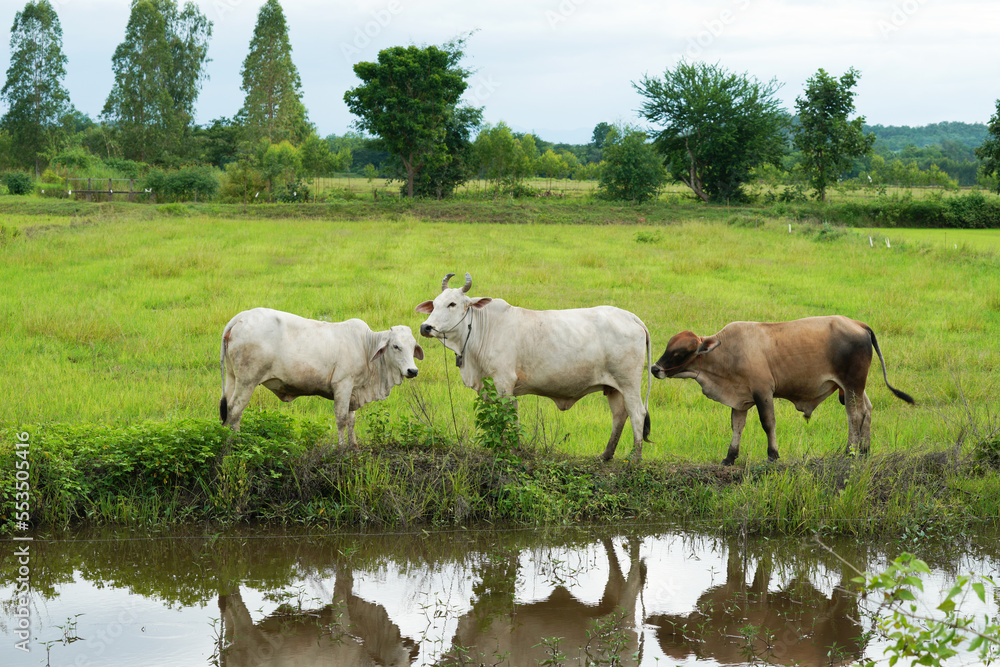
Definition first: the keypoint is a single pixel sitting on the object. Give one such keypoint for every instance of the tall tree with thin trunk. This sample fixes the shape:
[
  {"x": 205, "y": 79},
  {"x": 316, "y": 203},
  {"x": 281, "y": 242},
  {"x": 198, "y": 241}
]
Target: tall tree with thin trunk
[
  {"x": 34, "y": 89},
  {"x": 828, "y": 140},
  {"x": 159, "y": 69},
  {"x": 272, "y": 108},
  {"x": 407, "y": 100}
]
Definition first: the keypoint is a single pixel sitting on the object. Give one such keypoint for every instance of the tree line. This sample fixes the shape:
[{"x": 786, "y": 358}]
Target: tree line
[{"x": 713, "y": 130}]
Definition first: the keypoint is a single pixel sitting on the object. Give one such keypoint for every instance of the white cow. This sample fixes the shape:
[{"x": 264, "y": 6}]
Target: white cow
[
  {"x": 292, "y": 356},
  {"x": 561, "y": 354}
]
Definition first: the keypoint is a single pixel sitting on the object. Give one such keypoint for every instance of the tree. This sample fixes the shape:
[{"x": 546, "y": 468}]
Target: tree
[
  {"x": 551, "y": 165},
  {"x": 989, "y": 151},
  {"x": 716, "y": 126},
  {"x": 600, "y": 134},
  {"x": 448, "y": 169},
  {"x": 159, "y": 69},
  {"x": 503, "y": 159},
  {"x": 632, "y": 168},
  {"x": 828, "y": 140},
  {"x": 34, "y": 90},
  {"x": 407, "y": 99},
  {"x": 272, "y": 107}
]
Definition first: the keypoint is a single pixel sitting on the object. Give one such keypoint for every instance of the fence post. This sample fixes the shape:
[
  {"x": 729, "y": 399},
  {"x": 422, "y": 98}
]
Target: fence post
[
  {"x": 110, "y": 191},
  {"x": 90, "y": 196}
]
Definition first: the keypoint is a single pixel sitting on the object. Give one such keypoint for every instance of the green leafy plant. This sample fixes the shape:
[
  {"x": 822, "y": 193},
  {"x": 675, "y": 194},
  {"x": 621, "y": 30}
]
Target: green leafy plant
[
  {"x": 927, "y": 639},
  {"x": 497, "y": 425},
  {"x": 17, "y": 182}
]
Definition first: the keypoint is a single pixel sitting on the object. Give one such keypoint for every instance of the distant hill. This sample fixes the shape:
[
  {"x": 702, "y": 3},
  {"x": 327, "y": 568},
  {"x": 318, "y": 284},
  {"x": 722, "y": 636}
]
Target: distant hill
[{"x": 897, "y": 137}]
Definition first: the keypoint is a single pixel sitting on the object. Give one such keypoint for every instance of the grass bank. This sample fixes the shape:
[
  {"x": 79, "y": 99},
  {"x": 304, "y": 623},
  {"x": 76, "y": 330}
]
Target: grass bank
[
  {"x": 113, "y": 314},
  {"x": 284, "y": 470}
]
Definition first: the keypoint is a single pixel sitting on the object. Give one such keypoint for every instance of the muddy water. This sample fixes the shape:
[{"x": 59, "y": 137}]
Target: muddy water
[{"x": 641, "y": 595}]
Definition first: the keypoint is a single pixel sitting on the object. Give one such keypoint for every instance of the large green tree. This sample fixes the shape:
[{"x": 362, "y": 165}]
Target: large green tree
[
  {"x": 716, "y": 126},
  {"x": 272, "y": 107},
  {"x": 36, "y": 97},
  {"x": 989, "y": 151},
  {"x": 447, "y": 169},
  {"x": 407, "y": 99},
  {"x": 828, "y": 140},
  {"x": 159, "y": 69}
]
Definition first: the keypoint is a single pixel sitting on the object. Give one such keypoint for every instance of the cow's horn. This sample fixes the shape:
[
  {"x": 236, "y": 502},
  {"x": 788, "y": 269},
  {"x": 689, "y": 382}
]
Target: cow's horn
[
  {"x": 468, "y": 283},
  {"x": 444, "y": 283}
]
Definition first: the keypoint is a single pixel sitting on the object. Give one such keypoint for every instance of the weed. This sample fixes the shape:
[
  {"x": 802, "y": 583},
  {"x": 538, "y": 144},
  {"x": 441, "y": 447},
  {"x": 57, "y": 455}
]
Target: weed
[{"x": 497, "y": 425}]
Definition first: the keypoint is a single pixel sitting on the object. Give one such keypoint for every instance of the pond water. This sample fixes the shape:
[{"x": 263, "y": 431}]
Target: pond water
[{"x": 641, "y": 595}]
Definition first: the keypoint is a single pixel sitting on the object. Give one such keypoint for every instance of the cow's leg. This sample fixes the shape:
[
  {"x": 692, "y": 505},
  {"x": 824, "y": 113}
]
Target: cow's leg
[
  {"x": 765, "y": 410},
  {"x": 739, "y": 420},
  {"x": 237, "y": 401},
  {"x": 866, "y": 426},
  {"x": 636, "y": 415},
  {"x": 351, "y": 438},
  {"x": 859, "y": 412},
  {"x": 342, "y": 410},
  {"x": 618, "y": 414},
  {"x": 228, "y": 390}
]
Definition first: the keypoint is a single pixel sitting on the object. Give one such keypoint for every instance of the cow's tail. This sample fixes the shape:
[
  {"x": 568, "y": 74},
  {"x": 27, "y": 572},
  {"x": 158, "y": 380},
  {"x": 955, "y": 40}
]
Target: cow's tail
[
  {"x": 649, "y": 384},
  {"x": 223, "y": 406},
  {"x": 900, "y": 394}
]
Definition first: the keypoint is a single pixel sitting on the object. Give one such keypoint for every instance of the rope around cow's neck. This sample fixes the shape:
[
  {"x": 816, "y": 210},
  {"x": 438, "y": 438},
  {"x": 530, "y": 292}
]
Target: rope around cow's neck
[{"x": 459, "y": 356}]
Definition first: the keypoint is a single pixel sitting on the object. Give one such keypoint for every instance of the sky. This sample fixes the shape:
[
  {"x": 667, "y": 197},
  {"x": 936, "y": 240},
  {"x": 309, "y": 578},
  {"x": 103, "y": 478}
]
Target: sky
[{"x": 559, "y": 67}]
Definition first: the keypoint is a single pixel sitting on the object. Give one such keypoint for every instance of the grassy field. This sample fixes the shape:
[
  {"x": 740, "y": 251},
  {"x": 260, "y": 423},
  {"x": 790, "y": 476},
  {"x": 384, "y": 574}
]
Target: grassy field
[{"x": 115, "y": 318}]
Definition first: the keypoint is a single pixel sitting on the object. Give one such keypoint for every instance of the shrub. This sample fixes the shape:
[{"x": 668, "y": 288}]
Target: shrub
[
  {"x": 296, "y": 191},
  {"x": 632, "y": 171},
  {"x": 186, "y": 184},
  {"x": 127, "y": 168},
  {"x": 497, "y": 425},
  {"x": 972, "y": 210},
  {"x": 17, "y": 182},
  {"x": 50, "y": 189}
]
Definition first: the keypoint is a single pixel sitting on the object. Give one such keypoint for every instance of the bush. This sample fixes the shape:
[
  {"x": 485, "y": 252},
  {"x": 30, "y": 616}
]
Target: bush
[
  {"x": 186, "y": 184},
  {"x": 632, "y": 171},
  {"x": 296, "y": 191},
  {"x": 17, "y": 182},
  {"x": 973, "y": 210},
  {"x": 50, "y": 189},
  {"x": 969, "y": 211},
  {"x": 238, "y": 176},
  {"x": 497, "y": 425},
  {"x": 127, "y": 168}
]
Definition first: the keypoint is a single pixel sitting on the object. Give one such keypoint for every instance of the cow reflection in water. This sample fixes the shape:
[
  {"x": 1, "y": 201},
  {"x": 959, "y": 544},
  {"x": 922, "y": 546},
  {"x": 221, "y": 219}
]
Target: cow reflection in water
[
  {"x": 498, "y": 631},
  {"x": 350, "y": 631},
  {"x": 735, "y": 623}
]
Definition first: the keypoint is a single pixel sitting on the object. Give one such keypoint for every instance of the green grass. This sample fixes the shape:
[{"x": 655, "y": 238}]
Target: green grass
[{"x": 116, "y": 318}]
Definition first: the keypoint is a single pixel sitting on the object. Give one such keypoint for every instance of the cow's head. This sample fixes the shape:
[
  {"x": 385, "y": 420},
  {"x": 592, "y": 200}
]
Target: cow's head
[
  {"x": 449, "y": 309},
  {"x": 399, "y": 351},
  {"x": 681, "y": 351}
]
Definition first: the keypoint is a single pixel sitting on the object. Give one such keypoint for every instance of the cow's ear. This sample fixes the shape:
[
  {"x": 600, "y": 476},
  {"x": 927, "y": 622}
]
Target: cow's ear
[
  {"x": 425, "y": 307},
  {"x": 708, "y": 344},
  {"x": 479, "y": 303},
  {"x": 418, "y": 353},
  {"x": 380, "y": 351}
]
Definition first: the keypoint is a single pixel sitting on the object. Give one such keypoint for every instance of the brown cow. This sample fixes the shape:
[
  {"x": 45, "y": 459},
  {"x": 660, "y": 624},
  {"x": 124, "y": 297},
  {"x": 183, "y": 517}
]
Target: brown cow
[{"x": 803, "y": 361}]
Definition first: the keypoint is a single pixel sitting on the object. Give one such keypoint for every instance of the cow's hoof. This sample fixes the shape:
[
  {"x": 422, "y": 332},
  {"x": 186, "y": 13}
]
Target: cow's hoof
[{"x": 727, "y": 461}]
